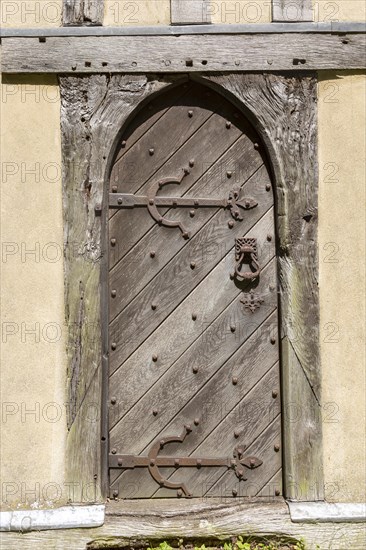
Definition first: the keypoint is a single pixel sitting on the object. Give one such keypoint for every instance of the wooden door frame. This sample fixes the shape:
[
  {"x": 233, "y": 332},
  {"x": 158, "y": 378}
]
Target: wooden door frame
[{"x": 95, "y": 110}]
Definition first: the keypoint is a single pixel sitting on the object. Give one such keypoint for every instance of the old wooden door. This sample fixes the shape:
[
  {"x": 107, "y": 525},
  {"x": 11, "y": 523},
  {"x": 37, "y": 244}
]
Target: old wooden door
[{"x": 194, "y": 387}]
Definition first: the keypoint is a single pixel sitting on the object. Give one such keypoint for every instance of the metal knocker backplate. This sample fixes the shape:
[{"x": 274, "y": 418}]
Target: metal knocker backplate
[{"x": 246, "y": 252}]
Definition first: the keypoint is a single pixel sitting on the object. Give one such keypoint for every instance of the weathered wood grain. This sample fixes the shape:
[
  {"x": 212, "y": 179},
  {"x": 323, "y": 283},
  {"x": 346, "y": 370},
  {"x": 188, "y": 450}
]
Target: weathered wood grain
[
  {"x": 189, "y": 54},
  {"x": 284, "y": 108},
  {"x": 204, "y": 518},
  {"x": 292, "y": 11},
  {"x": 83, "y": 12},
  {"x": 183, "y": 12},
  {"x": 86, "y": 151},
  {"x": 178, "y": 383},
  {"x": 136, "y": 269}
]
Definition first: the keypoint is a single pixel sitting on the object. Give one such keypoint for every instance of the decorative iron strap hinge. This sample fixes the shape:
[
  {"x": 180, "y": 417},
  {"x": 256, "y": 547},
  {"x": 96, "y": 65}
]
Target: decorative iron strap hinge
[
  {"x": 152, "y": 461},
  {"x": 126, "y": 200}
]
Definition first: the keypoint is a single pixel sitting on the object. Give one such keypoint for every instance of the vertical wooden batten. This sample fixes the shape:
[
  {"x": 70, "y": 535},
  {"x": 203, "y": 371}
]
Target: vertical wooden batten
[
  {"x": 190, "y": 12},
  {"x": 292, "y": 11},
  {"x": 83, "y": 12}
]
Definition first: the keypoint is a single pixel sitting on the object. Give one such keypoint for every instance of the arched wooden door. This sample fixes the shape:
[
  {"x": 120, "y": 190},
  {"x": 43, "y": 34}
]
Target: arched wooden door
[{"x": 194, "y": 387}]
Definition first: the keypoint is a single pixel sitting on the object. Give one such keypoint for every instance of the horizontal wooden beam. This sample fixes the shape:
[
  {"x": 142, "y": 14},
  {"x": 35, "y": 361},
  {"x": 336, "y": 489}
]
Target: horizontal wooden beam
[
  {"x": 164, "y": 30},
  {"x": 177, "y": 54}
]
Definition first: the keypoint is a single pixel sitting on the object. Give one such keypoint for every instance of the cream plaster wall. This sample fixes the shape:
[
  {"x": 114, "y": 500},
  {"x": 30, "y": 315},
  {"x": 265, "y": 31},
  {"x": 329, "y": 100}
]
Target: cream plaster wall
[
  {"x": 339, "y": 10},
  {"x": 33, "y": 13},
  {"x": 136, "y": 12},
  {"x": 342, "y": 223},
  {"x": 33, "y": 364}
]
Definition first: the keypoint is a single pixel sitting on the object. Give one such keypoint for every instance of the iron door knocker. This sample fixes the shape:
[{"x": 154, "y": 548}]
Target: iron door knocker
[{"x": 246, "y": 252}]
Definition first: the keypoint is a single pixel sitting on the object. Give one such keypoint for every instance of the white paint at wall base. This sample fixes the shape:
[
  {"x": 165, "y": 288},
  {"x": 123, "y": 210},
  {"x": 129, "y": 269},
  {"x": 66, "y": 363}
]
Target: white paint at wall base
[
  {"x": 67, "y": 517},
  {"x": 334, "y": 512}
]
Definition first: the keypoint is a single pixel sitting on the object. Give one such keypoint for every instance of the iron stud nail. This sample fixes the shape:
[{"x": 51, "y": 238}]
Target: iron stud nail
[
  {"x": 196, "y": 203},
  {"x": 155, "y": 412},
  {"x": 199, "y": 463},
  {"x": 230, "y": 224},
  {"x": 193, "y": 265},
  {"x": 151, "y": 201},
  {"x": 175, "y": 203},
  {"x": 176, "y": 462},
  {"x": 273, "y": 340},
  {"x": 114, "y": 188},
  {"x": 247, "y": 204},
  {"x": 241, "y": 472},
  {"x": 229, "y": 173},
  {"x": 235, "y": 492},
  {"x": 190, "y": 114},
  {"x": 192, "y": 213},
  {"x": 113, "y": 345},
  {"x": 152, "y": 462},
  {"x": 120, "y": 462},
  {"x": 195, "y": 370},
  {"x": 277, "y": 492},
  {"x": 228, "y": 124},
  {"x": 188, "y": 428},
  {"x": 268, "y": 187},
  {"x": 191, "y": 163},
  {"x": 236, "y": 434},
  {"x": 276, "y": 447},
  {"x": 252, "y": 463},
  {"x": 115, "y": 493},
  {"x": 235, "y": 380},
  {"x": 274, "y": 394},
  {"x": 232, "y": 328},
  {"x": 114, "y": 451},
  {"x": 256, "y": 146},
  {"x": 196, "y": 421},
  {"x": 232, "y": 275},
  {"x": 113, "y": 242},
  {"x": 123, "y": 143},
  {"x": 162, "y": 443},
  {"x": 185, "y": 235},
  {"x": 269, "y": 237},
  {"x": 154, "y": 358},
  {"x": 119, "y": 201},
  {"x": 194, "y": 316},
  {"x": 151, "y": 151},
  {"x": 152, "y": 254},
  {"x": 114, "y": 293},
  {"x": 186, "y": 171},
  {"x": 179, "y": 493},
  {"x": 113, "y": 400},
  {"x": 153, "y": 307}
]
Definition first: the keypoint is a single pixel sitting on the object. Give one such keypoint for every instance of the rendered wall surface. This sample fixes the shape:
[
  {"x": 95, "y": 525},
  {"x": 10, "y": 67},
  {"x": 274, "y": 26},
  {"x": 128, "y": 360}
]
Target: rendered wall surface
[
  {"x": 33, "y": 367},
  {"x": 342, "y": 222},
  {"x": 30, "y": 13}
]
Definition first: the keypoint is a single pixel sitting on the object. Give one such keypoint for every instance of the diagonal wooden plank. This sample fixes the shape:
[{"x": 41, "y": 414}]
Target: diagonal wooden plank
[
  {"x": 219, "y": 396},
  {"x": 192, "y": 370},
  {"x": 154, "y": 110},
  {"x": 128, "y": 229},
  {"x": 138, "y": 268},
  {"x": 249, "y": 418},
  {"x": 128, "y": 226},
  {"x": 157, "y": 145},
  {"x": 210, "y": 298},
  {"x": 177, "y": 279},
  {"x": 273, "y": 487},
  {"x": 263, "y": 447}
]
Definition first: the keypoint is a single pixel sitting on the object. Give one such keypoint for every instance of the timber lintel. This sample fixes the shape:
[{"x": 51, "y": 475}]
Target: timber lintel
[{"x": 99, "y": 50}]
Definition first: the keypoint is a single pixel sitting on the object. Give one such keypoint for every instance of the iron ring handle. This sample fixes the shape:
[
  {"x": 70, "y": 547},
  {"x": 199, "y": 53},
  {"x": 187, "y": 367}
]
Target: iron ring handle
[{"x": 248, "y": 274}]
